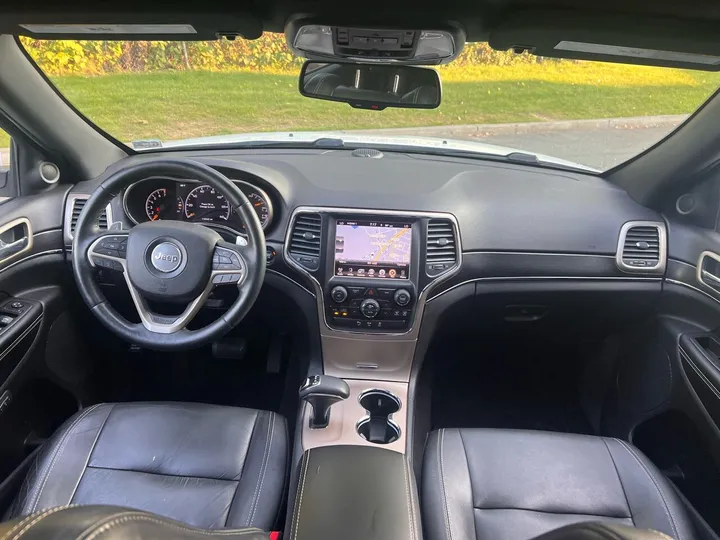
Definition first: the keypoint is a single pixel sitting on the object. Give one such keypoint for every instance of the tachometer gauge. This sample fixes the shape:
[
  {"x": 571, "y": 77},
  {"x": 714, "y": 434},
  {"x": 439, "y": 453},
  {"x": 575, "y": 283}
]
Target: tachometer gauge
[
  {"x": 159, "y": 205},
  {"x": 261, "y": 206},
  {"x": 204, "y": 203}
]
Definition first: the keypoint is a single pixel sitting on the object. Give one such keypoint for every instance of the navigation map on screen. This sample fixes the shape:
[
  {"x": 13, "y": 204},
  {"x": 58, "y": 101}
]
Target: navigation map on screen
[{"x": 372, "y": 249}]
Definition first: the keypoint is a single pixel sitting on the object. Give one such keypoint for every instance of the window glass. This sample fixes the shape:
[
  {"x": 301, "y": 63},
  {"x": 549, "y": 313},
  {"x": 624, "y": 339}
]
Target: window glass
[{"x": 154, "y": 94}]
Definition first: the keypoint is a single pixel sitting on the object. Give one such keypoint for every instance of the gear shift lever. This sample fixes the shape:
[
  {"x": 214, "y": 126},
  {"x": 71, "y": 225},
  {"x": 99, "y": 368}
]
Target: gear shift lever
[{"x": 322, "y": 391}]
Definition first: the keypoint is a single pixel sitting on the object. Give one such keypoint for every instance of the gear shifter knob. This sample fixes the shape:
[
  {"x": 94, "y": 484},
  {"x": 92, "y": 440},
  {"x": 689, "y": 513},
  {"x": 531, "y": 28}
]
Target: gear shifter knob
[{"x": 321, "y": 392}]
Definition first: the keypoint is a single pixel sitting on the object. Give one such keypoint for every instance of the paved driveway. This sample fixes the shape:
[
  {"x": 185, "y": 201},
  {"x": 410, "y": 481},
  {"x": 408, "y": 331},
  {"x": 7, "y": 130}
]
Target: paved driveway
[
  {"x": 598, "y": 148},
  {"x": 600, "y": 144}
]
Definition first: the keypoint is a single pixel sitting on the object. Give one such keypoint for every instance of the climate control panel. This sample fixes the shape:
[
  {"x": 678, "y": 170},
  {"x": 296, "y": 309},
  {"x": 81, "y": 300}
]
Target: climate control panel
[{"x": 379, "y": 309}]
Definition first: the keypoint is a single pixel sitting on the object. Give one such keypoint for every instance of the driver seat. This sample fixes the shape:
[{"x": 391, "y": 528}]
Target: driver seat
[{"x": 205, "y": 465}]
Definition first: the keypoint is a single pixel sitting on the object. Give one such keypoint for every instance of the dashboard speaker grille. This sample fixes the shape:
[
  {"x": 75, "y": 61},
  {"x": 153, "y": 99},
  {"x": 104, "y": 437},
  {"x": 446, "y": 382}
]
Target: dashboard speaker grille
[
  {"x": 305, "y": 241},
  {"x": 78, "y": 205},
  {"x": 441, "y": 248}
]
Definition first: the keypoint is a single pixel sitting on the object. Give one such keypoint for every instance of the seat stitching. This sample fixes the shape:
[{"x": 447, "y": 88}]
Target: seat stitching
[
  {"x": 296, "y": 523},
  {"x": 441, "y": 462},
  {"x": 551, "y": 512},
  {"x": 165, "y": 475},
  {"x": 263, "y": 468},
  {"x": 668, "y": 512},
  {"x": 627, "y": 501},
  {"x": 58, "y": 452},
  {"x": 90, "y": 453},
  {"x": 142, "y": 517},
  {"x": 238, "y": 477},
  {"x": 35, "y": 520},
  {"x": 285, "y": 477},
  {"x": 467, "y": 463},
  {"x": 409, "y": 497}
]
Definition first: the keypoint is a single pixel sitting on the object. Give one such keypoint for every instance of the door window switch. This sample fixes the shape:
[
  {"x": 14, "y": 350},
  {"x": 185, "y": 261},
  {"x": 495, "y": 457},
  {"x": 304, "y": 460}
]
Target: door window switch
[{"x": 5, "y": 320}]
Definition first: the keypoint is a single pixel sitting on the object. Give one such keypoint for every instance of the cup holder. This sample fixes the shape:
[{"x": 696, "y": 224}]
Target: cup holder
[{"x": 378, "y": 427}]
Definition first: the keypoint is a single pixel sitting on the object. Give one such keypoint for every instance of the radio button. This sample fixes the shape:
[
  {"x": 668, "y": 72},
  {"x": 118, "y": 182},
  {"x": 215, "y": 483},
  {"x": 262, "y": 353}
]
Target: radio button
[
  {"x": 386, "y": 294},
  {"x": 356, "y": 292}
]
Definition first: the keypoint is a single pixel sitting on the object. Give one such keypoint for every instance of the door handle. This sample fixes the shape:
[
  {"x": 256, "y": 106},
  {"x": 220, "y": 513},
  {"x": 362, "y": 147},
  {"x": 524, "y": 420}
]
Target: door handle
[
  {"x": 708, "y": 270},
  {"x": 8, "y": 250},
  {"x": 15, "y": 238}
]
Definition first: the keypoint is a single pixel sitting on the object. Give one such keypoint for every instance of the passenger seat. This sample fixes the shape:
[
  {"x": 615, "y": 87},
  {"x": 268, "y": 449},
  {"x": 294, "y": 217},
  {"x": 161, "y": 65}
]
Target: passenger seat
[{"x": 515, "y": 485}]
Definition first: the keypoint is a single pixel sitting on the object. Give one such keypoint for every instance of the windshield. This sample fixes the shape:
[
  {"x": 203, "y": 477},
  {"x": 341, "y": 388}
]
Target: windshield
[{"x": 160, "y": 94}]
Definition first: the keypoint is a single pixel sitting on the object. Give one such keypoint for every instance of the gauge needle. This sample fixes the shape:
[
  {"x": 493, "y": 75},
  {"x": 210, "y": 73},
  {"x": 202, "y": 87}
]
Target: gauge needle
[
  {"x": 155, "y": 217},
  {"x": 258, "y": 204}
]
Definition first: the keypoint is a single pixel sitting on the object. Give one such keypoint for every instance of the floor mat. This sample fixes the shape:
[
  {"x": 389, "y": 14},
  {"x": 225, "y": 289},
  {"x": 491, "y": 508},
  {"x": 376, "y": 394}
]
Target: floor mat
[
  {"x": 194, "y": 376},
  {"x": 515, "y": 386}
]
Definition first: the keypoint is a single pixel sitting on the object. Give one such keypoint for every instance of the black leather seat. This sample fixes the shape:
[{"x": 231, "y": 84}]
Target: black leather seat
[
  {"x": 516, "y": 485},
  {"x": 207, "y": 466},
  {"x": 113, "y": 523}
]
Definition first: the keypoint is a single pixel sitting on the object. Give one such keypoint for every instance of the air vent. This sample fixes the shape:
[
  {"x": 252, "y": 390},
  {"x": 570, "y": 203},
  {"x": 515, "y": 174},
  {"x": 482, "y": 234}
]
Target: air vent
[
  {"x": 641, "y": 247},
  {"x": 305, "y": 240},
  {"x": 441, "y": 249},
  {"x": 77, "y": 208}
]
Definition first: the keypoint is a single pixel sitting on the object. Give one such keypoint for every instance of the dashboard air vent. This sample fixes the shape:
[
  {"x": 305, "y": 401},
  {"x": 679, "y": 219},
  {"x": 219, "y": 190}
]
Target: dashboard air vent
[
  {"x": 305, "y": 240},
  {"x": 441, "y": 248},
  {"x": 77, "y": 208},
  {"x": 641, "y": 247}
]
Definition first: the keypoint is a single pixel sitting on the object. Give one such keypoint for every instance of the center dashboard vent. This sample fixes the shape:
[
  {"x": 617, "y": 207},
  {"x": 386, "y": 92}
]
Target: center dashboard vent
[
  {"x": 77, "y": 207},
  {"x": 305, "y": 240},
  {"x": 642, "y": 247},
  {"x": 441, "y": 248}
]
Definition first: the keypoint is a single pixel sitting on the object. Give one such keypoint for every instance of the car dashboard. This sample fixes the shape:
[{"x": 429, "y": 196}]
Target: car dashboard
[{"x": 485, "y": 243}]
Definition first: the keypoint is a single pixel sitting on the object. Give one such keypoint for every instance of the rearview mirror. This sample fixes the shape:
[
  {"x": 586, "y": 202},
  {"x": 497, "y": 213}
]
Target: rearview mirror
[{"x": 371, "y": 86}]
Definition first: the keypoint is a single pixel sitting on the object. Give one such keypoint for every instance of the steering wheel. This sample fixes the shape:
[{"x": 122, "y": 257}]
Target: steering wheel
[{"x": 168, "y": 261}]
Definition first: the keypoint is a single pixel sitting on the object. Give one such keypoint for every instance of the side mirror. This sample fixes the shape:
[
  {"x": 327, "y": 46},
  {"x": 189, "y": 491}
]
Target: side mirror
[{"x": 371, "y": 86}]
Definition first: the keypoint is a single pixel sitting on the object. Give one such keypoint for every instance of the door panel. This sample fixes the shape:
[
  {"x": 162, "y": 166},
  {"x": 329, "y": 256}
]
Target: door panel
[
  {"x": 667, "y": 395},
  {"x": 42, "y": 366}
]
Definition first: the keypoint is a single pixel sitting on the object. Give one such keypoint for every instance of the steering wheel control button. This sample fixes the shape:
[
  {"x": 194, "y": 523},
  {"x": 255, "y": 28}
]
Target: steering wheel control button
[
  {"x": 166, "y": 257},
  {"x": 339, "y": 294},
  {"x": 369, "y": 308},
  {"x": 402, "y": 297}
]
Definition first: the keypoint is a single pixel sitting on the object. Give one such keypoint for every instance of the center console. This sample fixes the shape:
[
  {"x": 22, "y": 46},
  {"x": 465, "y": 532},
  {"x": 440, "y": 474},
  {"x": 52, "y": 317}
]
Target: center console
[
  {"x": 354, "y": 492},
  {"x": 371, "y": 287},
  {"x": 371, "y": 267},
  {"x": 371, "y": 272}
]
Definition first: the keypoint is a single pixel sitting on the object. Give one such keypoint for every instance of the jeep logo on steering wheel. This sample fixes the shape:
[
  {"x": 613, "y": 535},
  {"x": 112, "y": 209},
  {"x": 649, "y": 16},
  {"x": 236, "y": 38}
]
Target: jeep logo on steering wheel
[{"x": 166, "y": 257}]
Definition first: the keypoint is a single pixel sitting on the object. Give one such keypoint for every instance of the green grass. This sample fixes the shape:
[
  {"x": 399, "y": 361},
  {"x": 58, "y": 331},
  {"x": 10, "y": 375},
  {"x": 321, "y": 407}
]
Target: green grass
[{"x": 189, "y": 104}]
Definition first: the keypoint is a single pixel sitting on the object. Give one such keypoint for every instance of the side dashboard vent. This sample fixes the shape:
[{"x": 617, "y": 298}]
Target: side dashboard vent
[
  {"x": 305, "y": 240},
  {"x": 642, "y": 247},
  {"x": 441, "y": 247},
  {"x": 76, "y": 209}
]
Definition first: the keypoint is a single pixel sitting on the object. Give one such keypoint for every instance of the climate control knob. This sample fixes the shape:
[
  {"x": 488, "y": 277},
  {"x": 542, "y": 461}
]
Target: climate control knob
[
  {"x": 339, "y": 294},
  {"x": 369, "y": 308},
  {"x": 402, "y": 297}
]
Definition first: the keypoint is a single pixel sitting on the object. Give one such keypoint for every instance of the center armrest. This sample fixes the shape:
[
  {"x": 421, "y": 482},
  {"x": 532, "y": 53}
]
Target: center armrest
[{"x": 355, "y": 492}]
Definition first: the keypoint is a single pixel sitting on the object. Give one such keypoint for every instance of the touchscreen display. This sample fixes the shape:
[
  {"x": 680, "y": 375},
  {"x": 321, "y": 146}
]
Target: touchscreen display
[{"x": 373, "y": 249}]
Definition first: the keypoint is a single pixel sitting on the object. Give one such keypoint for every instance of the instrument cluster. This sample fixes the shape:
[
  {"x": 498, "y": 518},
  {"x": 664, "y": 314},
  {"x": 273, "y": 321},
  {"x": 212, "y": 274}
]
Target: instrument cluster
[{"x": 189, "y": 200}]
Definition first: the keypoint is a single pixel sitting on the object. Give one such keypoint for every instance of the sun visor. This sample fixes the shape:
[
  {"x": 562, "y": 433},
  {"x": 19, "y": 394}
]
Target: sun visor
[
  {"x": 621, "y": 39},
  {"x": 130, "y": 26}
]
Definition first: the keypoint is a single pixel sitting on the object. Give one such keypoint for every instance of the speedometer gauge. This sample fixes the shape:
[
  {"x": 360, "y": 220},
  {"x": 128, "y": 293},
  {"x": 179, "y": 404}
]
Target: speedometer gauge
[{"x": 204, "y": 203}]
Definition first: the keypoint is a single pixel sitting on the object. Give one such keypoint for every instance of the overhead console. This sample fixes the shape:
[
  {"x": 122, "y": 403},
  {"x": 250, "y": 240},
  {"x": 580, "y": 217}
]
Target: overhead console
[{"x": 372, "y": 269}]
